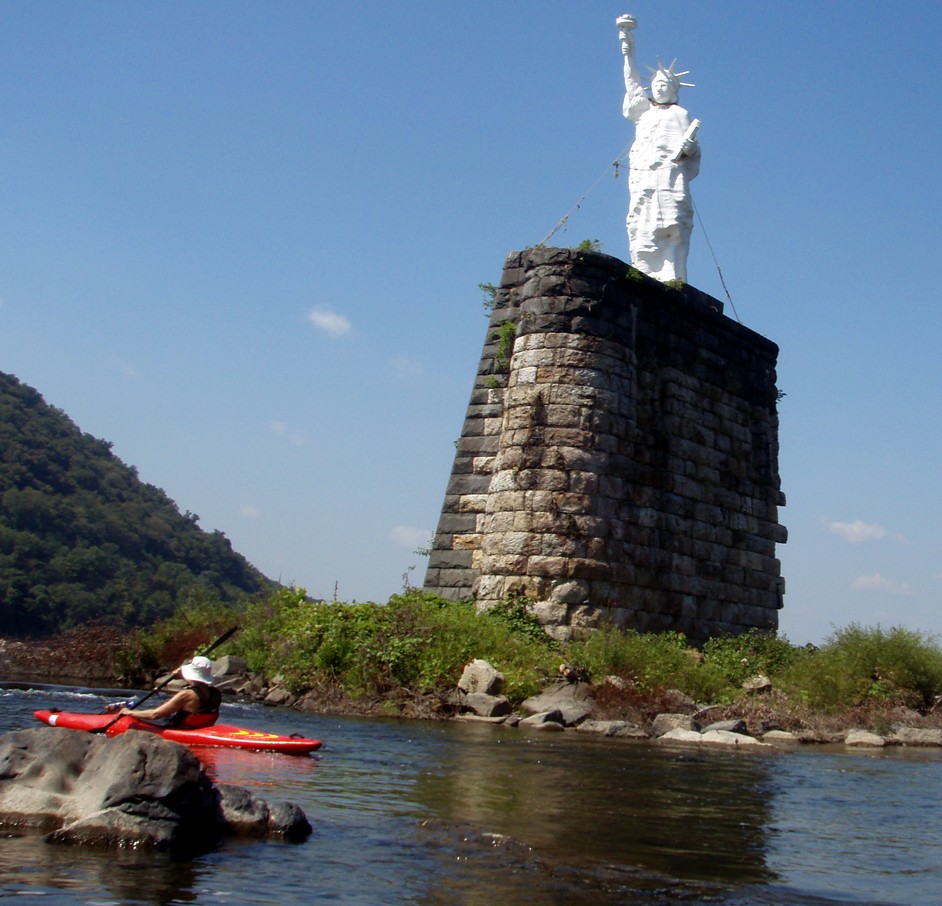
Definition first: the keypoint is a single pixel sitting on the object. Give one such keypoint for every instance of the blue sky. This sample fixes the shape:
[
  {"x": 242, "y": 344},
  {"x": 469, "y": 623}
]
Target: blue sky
[{"x": 242, "y": 241}]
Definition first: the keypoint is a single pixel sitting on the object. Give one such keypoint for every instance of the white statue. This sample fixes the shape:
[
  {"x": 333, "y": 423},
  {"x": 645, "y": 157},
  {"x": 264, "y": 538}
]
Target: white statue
[{"x": 664, "y": 158}]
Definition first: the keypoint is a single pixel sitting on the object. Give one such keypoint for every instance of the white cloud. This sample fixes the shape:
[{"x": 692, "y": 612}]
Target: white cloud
[
  {"x": 857, "y": 532},
  {"x": 329, "y": 321},
  {"x": 281, "y": 428},
  {"x": 249, "y": 512},
  {"x": 407, "y": 368},
  {"x": 877, "y": 582},
  {"x": 124, "y": 368},
  {"x": 413, "y": 538}
]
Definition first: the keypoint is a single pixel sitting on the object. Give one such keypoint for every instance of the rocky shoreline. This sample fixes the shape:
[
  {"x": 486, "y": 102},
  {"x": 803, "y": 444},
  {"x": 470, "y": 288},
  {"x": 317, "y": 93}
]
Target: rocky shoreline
[
  {"x": 573, "y": 705},
  {"x": 759, "y": 721}
]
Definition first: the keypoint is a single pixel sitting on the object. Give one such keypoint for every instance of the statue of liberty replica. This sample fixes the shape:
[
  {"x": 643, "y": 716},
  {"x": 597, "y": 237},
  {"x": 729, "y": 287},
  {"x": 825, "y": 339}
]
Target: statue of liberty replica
[{"x": 664, "y": 158}]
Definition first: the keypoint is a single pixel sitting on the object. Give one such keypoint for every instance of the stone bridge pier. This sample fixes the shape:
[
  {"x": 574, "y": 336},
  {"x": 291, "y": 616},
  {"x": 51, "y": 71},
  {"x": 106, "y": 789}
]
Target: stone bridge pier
[{"x": 619, "y": 458}]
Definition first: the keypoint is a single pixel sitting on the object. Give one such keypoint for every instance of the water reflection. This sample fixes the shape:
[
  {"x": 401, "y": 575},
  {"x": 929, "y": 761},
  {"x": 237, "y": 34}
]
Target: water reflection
[
  {"x": 121, "y": 876},
  {"x": 436, "y": 814},
  {"x": 694, "y": 814},
  {"x": 258, "y": 771}
]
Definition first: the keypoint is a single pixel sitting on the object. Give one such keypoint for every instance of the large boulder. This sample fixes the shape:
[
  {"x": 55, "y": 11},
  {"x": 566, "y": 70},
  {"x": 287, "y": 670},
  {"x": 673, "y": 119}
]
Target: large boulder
[
  {"x": 664, "y": 723},
  {"x": 572, "y": 700},
  {"x": 134, "y": 790},
  {"x": 484, "y": 705},
  {"x": 864, "y": 739},
  {"x": 480, "y": 676},
  {"x": 913, "y": 736}
]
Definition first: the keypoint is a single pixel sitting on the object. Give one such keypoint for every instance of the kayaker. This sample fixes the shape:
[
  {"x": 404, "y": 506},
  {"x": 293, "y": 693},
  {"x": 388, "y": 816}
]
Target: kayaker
[{"x": 191, "y": 708}]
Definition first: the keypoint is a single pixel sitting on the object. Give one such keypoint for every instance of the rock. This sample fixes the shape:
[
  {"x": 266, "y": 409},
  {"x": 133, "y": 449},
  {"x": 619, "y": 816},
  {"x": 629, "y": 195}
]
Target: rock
[
  {"x": 253, "y": 686},
  {"x": 757, "y": 684},
  {"x": 474, "y": 718},
  {"x": 681, "y": 735},
  {"x": 781, "y": 738},
  {"x": 664, "y": 723},
  {"x": 229, "y": 672},
  {"x": 727, "y": 738},
  {"x": 712, "y": 738},
  {"x": 681, "y": 702},
  {"x": 547, "y": 720},
  {"x": 279, "y": 696},
  {"x": 864, "y": 739},
  {"x": 572, "y": 700},
  {"x": 620, "y": 728},
  {"x": 730, "y": 726},
  {"x": 480, "y": 676},
  {"x": 913, "y": 736},
  {"x": 228, "y": 666},
  {"x": 484, "y": 705},
  {"x": 245, "y": 815},
  {"x": 133, "y": 790}
]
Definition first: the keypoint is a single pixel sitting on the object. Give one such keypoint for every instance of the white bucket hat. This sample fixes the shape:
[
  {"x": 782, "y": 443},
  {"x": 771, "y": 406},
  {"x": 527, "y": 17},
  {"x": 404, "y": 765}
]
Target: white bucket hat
[{"x": 199, "y": 670}]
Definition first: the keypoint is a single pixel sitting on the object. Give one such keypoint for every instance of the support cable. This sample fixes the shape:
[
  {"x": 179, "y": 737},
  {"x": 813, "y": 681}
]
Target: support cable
[
  {"x": 616, "y": 163},
  {"x": 578, "y": 204},
  {"x": 718, "y": 269}
]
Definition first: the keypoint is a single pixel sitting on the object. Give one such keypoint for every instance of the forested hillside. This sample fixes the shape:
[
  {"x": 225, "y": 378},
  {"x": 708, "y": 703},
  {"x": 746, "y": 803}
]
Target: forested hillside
[{"x": 81, "y": 537}]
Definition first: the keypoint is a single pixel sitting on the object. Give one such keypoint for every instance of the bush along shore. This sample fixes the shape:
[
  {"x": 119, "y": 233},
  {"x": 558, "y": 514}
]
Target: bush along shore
[{"x": 421, "y": 656}]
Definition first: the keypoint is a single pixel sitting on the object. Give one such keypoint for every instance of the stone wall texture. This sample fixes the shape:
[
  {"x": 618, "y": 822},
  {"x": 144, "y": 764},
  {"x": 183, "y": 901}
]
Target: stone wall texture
[{"x": 619, "y": 461}]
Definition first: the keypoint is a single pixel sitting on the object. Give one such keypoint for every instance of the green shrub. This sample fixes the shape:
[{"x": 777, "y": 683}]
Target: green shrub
[
  {"x": 172, "y": 641},
  {"x": 754, "y": 652},
  {"x": 858, "y": 665},
  {"x": 505, "y": 336},
  {"x": 417, "y": 642},
  {"x": 649, "y": 661}
]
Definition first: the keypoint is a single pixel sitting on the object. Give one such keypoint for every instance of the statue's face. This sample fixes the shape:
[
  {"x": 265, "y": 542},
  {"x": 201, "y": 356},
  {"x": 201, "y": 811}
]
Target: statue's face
[{"x": 662, "y": 91}]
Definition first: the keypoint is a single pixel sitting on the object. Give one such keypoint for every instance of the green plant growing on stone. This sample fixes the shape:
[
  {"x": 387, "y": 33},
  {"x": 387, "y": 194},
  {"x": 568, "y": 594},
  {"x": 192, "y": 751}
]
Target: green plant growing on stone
[
  {"x": 589, "y": 245},
  {"x": 675, "y": 284},
  {"x": 634, "y": 275},
  {"x": 512, "y": 613},
  {"x": 504, "y": 335},
  {"x": 490, "y": 296}
]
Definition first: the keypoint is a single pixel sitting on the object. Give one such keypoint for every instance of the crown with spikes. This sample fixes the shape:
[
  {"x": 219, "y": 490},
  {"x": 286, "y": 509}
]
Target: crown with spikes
[{"x": 673, "y": 77}]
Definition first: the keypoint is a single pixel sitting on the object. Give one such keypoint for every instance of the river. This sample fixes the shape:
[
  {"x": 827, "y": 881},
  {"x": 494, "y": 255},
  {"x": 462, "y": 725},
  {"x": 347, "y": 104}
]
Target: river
[{"x": 409, "y": 812}]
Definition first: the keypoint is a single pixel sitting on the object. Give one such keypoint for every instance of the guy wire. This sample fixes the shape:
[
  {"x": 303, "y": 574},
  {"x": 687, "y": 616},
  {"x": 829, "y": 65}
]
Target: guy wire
[
  {"x": 592, "y": 188},
  {"x": 718, "y": 269},
  {"x": 578, "y": 204}
]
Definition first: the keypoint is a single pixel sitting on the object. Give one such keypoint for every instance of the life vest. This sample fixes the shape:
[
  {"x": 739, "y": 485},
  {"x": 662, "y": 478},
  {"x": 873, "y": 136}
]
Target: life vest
[{"x": 210, "y": 701}]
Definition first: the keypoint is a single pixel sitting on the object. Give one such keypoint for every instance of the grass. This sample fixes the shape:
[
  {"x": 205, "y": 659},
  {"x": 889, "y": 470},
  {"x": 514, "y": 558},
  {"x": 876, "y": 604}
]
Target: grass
[{"x": 416, "y": 645}]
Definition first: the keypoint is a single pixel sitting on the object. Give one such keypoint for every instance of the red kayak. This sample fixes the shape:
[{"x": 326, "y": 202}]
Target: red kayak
[{"x": 224, "y": 735}]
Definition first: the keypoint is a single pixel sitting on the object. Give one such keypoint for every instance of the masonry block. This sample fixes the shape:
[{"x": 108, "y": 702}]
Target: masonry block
[{"x": 624, "y": 461}]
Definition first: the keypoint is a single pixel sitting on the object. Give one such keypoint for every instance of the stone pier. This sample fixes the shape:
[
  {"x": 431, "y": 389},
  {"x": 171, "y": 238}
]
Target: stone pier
[{"x": 619, "y": 458}]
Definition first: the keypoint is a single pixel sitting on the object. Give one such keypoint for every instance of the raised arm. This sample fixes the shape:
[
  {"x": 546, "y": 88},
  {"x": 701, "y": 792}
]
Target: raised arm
[{"x": 634, "y": 90}]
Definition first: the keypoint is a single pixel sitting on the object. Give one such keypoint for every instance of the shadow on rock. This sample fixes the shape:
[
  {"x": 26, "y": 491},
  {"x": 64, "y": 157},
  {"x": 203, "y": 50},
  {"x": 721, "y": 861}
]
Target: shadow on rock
[{"x": 131, "y": 791}]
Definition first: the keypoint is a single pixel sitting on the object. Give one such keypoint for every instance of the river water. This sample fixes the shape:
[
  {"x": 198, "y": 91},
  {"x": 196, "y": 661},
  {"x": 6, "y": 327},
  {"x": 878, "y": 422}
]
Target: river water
[{"x": 458, "y": 813}]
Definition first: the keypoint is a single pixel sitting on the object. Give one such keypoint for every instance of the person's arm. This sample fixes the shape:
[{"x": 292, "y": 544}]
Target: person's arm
[
  {"x": 179, "y": 702},
  {"x": 634, "y": 89}
]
